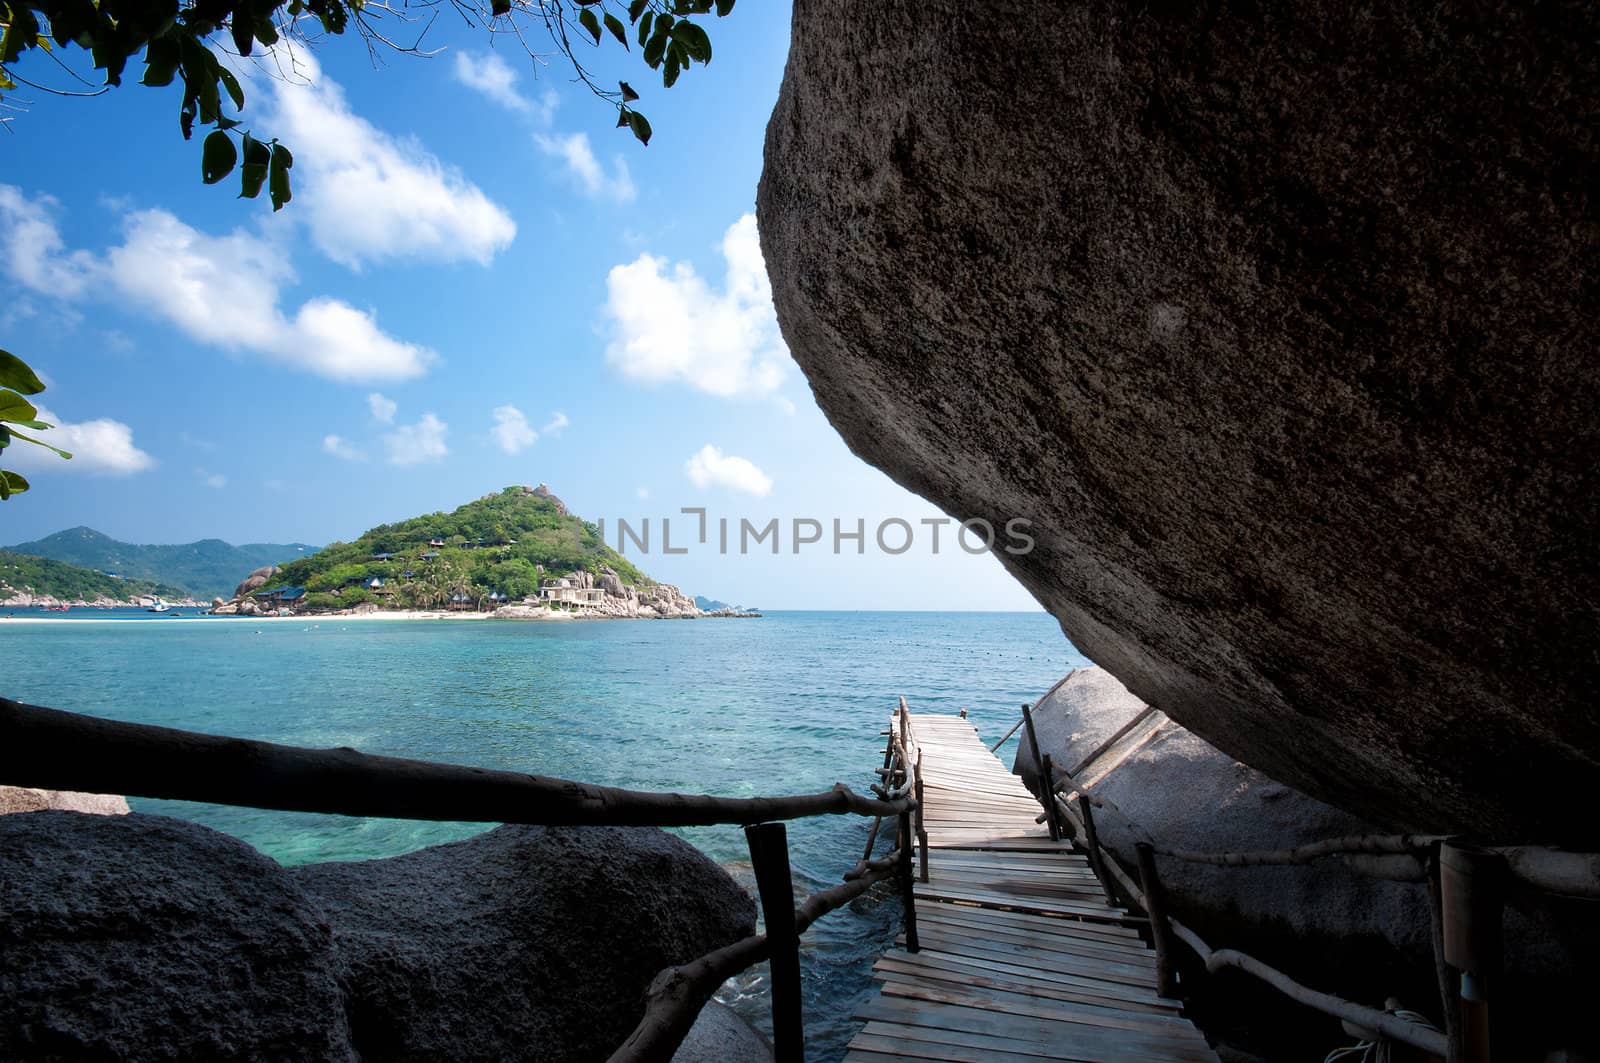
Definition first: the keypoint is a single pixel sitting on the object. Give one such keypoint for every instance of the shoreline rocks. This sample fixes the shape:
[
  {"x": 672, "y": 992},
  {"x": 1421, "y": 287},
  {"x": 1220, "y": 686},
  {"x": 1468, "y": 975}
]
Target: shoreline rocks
[{"x": 142, "y": 937}]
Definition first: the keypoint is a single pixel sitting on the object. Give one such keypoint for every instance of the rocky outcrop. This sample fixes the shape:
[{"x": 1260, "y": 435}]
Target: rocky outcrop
[
  {"x": 544, "y": 492},
  {"x": 1164, "y": 784},
  {"x": 146, "y": 938},
  {"x": 521, "y": 937},
  {"x": 27, "y": 799},
  {"x": 612, "y": 584},
  {"x": 254, "y": 582},
  {"x": 720, "y": 1035},
  {"x": 1278, "y": 328}
]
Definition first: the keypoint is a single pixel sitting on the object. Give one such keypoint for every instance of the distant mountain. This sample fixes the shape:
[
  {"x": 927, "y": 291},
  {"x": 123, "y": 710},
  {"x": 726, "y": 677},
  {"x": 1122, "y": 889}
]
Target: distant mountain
[
  {"x": 41, "y": 577},
  {"x": 709, "y": 605},
  {"x": 206, "y": 569}
]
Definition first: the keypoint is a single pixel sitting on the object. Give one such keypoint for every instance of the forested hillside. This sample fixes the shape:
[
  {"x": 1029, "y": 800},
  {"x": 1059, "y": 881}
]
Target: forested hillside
[{"x": 494, "y": 544}]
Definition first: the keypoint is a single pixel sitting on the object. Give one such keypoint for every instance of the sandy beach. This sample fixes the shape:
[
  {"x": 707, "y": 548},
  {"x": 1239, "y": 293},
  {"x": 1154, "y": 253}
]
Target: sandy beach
[{"x": 395, "y": 614}]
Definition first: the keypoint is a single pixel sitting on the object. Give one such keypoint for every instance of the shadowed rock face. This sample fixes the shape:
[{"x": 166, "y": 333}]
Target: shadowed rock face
[{"x": 1278, "y": 327}]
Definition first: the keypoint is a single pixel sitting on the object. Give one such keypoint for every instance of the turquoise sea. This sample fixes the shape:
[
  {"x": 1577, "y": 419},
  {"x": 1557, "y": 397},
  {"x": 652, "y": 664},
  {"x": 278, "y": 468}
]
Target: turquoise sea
[{"x": 791, "y": 703}]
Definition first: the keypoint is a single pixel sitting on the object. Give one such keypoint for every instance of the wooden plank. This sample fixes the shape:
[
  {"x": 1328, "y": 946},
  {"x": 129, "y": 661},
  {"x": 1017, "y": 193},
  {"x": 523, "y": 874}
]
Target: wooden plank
[
  {"x": 1062, "y": 951},
  {"x": 1044, "y": 924},
  {"x": 1075, "y": 943},
  {"x": 1015, "y": 1004},
  {"x": 889, "y": 969},
  {"x": 916, "y": 1036},
  {"x": 1086, "y": 966},
  {"x": 1032, "y": 970},
  {"x": 1086, "y": 1042}
]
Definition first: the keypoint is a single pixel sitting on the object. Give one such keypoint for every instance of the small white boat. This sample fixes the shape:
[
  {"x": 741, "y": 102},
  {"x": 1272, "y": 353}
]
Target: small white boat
[{"x": 159, "y": 607}]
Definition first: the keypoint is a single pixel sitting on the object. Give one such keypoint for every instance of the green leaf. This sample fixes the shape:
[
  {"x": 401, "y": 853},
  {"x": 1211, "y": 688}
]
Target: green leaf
[
  {"x": 641, "y": 128},
  {"x": 587, "y": 20},
  {"x": 501, "y": 7},
  {"x": 15, "y": 408},
  {"x": 217, "y": 157},
  {"x": 636, "y": 9},
  {"x": 669, "y": 74},
  {"x": 278, "y": 187},
  {"x": 231, "y": 83},
  {"x": 695, "y": 39},
  {"x": 644, "y": 27},
  {"x": 15, "y": 374},
  {"x": 724, "y": 8},
  {"x": 11, "y": 484},
  {"x": 654, "y": 50},
  {"x": 618, "y": 30},
  {"x": 39, "y": 442},
  {"x": 253, "y": 174},
  {"x": 628, "y": 95},
  {"x": 160, "y": 61},
  {"x": 40, "y": 425}
]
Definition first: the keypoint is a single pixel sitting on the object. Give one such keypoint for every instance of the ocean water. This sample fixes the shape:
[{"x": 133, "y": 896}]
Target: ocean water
[{"x": 790, "y": 703}]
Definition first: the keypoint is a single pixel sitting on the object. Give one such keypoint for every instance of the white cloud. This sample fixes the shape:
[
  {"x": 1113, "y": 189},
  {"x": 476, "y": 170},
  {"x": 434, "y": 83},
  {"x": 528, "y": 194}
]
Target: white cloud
[
  {"x": 574, "y": 150},
  {"x": 642, "y": 492},
  {"x": 340, "y": 447},
  {"x": 100, "y": 446},
  {"x": 214, "y": 480},
  {"x": 383, "y": 409},
  {"x": 496, "y": 79},
  {"x": 368, "y": 196},
  {"x": 511, "y": 430},
  {"x": 557, "y": 422},
  {"x": 414, "y": 444},
  {"x": 668, "y": 324},
  {"x": 34, "y": 252},
  {"x": 712, "y": 468},
  {"x": 220, "y": 290}
]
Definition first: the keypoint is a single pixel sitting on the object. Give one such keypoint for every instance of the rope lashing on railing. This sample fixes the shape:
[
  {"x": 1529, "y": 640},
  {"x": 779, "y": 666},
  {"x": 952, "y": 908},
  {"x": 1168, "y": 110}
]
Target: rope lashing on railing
[{"x": 54, "y": 750}]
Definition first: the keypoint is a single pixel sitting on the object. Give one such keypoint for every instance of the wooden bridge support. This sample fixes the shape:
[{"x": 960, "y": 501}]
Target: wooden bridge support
[
  {"x": 1472, "y": 885},
  {"x": 1155, "y": 906}
]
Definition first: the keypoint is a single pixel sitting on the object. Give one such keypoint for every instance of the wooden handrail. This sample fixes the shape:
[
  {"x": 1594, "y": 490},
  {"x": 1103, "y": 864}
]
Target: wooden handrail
[
  {"x": 54, "y": 750},
  {"x": 675, "y": 997}
]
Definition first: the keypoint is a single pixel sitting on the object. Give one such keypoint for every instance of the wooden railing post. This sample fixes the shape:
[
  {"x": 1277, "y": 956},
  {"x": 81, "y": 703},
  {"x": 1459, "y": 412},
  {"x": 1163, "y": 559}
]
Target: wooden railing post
[
  {"x": 1472, "y": 902},
  {"x": 922, "y": 832},
  {"x": 1052, "y": 816},
  {"x": 1155, "y": 906},
  {"x": 1091, "y": 841},
  {"x": 769, "y": 857},
  {"x": 908, "y": 887},
  {"x": 1044, "y": 774}
]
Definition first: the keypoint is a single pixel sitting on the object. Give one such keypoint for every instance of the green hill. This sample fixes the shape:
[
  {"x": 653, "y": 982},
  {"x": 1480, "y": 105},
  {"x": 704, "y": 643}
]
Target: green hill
[
  {"x": 494, "y": 544},
  {"x": 206, "y": 569},
  {"x": 41, "y": 576}
]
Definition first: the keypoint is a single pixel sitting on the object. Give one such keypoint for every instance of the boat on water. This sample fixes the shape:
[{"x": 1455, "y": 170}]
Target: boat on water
[
  {"x": 159, "y": 607},
  {"x": 63, "y": 607}
]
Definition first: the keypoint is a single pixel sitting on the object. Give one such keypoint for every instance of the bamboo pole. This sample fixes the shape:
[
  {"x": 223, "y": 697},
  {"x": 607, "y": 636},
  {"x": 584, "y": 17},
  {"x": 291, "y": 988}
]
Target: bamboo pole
[
  {"x": 1472, "y": 899},
  {"x": 1118, "y": 735},
  {"x": 54, "y": 750},
  {"x": 677, "y": 994},
  {"x": 769, "y": 859}
]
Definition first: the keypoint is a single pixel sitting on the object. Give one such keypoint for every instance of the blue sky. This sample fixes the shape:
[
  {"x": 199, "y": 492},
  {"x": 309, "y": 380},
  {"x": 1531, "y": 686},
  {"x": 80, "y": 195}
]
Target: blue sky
[{"x": 480, "y": 282}]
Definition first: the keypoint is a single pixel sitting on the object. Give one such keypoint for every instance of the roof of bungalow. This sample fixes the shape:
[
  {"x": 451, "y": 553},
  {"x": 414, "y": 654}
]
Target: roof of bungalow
[
  {"x": 375, "y": 582},
  {"x": 496, "y": 596},
  {"x": 287, "y": 594},
  {"x": 459, "y": 598},
  {"x": 382, "y": 557},
  {"x": 430, "y": 555},
  {"x": 408, "y": 575}
]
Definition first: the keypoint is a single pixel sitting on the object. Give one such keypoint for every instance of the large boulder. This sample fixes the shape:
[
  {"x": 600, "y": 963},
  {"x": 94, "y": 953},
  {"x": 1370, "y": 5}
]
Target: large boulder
[
  {"x": 255, "y": 581},
  {"x": 146, "y": 938},
  {"x": 1276, "y": 323},
  {"x": 522, "y": 943},
  {"x": 1164, "y": 784},
  {"x": 27, "y": 799}
]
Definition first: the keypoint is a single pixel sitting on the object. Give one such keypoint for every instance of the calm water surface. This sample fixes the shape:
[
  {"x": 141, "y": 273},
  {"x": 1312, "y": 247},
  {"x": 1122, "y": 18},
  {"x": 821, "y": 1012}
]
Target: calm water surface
[{"x": 791, "y": 703}]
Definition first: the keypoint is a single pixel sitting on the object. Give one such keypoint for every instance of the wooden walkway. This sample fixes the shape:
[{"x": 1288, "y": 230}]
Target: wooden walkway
[{"x": 1021, "y": 957}]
